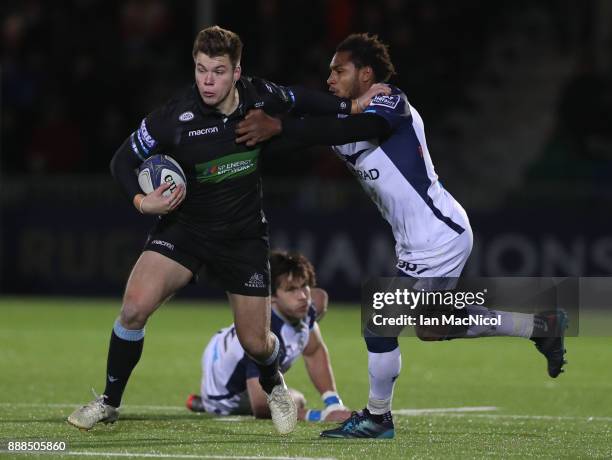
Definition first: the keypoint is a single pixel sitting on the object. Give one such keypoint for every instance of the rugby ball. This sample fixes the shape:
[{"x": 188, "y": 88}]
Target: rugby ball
[{"x": 160, "y": 169}]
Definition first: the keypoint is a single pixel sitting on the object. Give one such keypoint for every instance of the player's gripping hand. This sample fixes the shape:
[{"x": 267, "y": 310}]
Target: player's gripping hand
[
  {"x": 257, "y": 127},
  {"x": 364, "y": 100},
  {"x": 334, "y": 410},
  {"x": 156, "y": 203}
]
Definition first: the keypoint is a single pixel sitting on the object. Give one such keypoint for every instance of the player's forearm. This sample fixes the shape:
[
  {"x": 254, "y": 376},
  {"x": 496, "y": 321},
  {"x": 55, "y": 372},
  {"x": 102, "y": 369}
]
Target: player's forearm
[
  {"x": 335, "y": 131},
  {"x": 318, "y": 102},
  {"x": 122, "y": 167},
  {"x": 319, "y": 369}
]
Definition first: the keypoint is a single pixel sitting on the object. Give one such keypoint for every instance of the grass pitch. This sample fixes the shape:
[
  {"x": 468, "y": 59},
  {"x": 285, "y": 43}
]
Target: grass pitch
[{"x": 53, "y": 351}]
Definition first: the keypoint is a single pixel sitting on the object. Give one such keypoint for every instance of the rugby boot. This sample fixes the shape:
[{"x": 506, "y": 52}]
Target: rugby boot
[
  {"x": 194, "y": 403},
  {"x": 85, "y": 417},
  {"x": 362, "y": 425},
  {"x": 282, "y": 408},
  {"x": 548, "y": 336}
]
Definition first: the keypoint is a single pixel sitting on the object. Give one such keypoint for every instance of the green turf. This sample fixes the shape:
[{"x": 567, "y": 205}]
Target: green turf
[{"x": 53, "y": 352}]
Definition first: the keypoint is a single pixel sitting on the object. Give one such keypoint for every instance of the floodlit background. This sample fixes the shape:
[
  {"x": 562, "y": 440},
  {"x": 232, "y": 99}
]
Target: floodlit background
[{"x": 516, "y": 98}]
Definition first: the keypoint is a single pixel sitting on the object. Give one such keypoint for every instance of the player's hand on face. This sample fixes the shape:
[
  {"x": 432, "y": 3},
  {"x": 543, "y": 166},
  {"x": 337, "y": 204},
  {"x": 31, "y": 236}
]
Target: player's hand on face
[
  {"x": 156, "y": 203},
  {"x": 377, "y": 88},
  {"x": 257, "y": 127}
]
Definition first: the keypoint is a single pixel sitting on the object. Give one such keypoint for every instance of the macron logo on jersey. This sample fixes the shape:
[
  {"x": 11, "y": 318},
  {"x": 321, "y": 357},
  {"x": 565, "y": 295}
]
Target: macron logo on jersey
[
  {"x": 164, "y": 244},
  {"x": 386, "y": 101},
  {"x": 204, "y": 131}
]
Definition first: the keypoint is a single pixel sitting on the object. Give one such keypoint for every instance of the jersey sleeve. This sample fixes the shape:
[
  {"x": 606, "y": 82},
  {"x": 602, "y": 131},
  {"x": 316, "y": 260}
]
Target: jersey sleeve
[
  {"x": 314, "y": 102},
  {"x": 153, "y": 136},
  {"x": 276, "y": 99},
  {"x": 279, "y": 99},
  {"x": 122, "y": 166},
  {"x": 392, "y": 108}
]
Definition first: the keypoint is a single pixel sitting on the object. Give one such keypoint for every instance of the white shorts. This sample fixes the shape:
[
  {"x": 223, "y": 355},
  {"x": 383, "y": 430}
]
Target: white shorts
[{"x": 446, "y": 261}]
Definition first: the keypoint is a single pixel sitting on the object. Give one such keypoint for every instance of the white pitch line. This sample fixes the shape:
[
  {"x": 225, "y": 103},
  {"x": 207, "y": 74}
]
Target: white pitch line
[
  {"x": 183, "y": 408},
  {"x": 468, "y": 411},
  {"x": 156, "y": 455},
  {"x": 443, "y": 410},
  {"x": 237, "y": 418},
  {"x": 584, "y": 418}
]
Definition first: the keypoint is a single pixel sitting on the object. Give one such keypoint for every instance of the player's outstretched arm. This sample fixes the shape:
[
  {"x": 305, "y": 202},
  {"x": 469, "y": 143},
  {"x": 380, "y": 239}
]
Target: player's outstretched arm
[
  {"x": 317, "y": 362},
  {"x": 315, "y": 102},
  {"x": 258, "y": 127},
  {"x": 318, "y": 366}
]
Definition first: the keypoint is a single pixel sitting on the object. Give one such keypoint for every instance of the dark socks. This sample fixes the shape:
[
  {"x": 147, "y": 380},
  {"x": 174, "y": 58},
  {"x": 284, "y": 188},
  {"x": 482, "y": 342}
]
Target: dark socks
[
  {"x": 379, "y": 418},
  {"x": 124, "y": 352},
  {"x": 269, "y": 375}
]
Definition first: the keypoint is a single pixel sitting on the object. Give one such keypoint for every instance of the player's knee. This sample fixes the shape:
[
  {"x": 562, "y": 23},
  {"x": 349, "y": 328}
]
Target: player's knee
[
  {"x": 427, "y": 334},
  {"x": 381, "y": 344},
  {"x": 135, "y": 311}
]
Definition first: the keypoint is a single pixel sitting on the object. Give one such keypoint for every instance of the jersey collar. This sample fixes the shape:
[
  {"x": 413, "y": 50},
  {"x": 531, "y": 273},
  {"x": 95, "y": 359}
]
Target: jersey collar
[{"x": 296, "y": 324}]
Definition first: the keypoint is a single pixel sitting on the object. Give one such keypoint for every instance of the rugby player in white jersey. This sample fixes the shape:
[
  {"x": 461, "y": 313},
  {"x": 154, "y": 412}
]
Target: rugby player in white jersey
[
  {"x": 230, "y": 378},
  {"x": 386, "y": 149}
]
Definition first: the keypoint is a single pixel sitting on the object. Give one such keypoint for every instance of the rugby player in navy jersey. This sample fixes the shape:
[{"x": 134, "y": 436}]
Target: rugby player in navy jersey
[
  {"x": 230, "y": 379},
  {"x": 386, "y": 149},
  {"x": 218, "y": 225}
]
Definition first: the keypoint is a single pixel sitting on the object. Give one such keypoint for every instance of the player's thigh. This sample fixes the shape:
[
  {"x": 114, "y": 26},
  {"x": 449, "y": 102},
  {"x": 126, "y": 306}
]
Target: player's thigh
[{"x": 153, "y": 279}]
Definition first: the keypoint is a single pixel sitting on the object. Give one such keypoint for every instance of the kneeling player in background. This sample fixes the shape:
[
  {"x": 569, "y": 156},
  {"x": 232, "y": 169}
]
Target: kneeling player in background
[{"x": 230, "y": 379}]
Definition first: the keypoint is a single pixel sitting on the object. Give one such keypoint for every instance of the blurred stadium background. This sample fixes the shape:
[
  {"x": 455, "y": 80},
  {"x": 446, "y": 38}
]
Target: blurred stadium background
[{"x": 515, "y": 98}]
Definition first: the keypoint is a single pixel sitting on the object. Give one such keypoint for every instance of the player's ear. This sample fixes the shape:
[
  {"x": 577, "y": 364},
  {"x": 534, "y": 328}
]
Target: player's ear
[
  {"x": 237, "y": 72},
  {"x": 366, "y": 74}
]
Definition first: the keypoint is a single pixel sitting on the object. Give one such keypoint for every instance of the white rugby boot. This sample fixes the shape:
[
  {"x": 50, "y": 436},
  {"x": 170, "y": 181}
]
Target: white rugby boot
[
  {"x": 282, "y": 408},
  {"x": 85, "y": 417}
]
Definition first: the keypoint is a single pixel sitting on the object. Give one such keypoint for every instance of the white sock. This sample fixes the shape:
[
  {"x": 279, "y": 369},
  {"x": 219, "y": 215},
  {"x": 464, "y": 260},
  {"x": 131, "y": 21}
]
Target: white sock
[
  {"x": 383, "y": 368},
  {"x": 511, "y": 324}
]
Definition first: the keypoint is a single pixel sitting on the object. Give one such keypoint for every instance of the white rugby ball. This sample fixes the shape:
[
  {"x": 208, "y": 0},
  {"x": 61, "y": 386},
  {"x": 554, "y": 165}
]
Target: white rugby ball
[{"x": 160, "y": 169}]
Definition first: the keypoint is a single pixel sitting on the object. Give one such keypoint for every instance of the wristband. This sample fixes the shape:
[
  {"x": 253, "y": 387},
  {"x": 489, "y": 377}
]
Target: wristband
[
  {"x": 331, "y": 397},
  {"x": 313, "y": 415}
]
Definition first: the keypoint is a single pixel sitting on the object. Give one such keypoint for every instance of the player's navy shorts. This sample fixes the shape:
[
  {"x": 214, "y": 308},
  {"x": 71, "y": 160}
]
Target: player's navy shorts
[{"x": 239, "y": 266}]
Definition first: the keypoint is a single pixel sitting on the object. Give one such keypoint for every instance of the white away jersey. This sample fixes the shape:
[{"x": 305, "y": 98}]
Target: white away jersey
[
  {"x": 226, "y": 368},
  {"x": 399, "y": 176}
]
